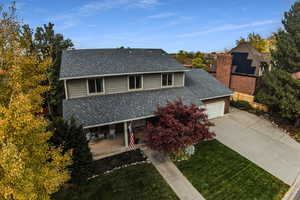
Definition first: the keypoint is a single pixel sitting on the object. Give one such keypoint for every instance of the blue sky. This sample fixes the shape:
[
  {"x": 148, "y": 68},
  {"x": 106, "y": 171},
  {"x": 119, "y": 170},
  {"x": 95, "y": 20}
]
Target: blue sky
[{"x": 204, "y": 25}]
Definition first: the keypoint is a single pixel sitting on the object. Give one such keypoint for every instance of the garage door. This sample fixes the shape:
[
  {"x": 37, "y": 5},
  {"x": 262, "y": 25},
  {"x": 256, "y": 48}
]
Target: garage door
[{"x": 215, "y": 109}]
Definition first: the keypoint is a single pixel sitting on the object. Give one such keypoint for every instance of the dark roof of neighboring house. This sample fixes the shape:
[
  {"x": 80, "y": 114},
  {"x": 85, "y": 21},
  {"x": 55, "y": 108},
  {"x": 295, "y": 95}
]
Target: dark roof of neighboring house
[
  {"x": 95, "y": 110},
  {"x": 204, "y": 85},
  {"x": 241, "y": 64},
  {"x": 255, "y": 56},
  {"x": 97, "y": 62}
]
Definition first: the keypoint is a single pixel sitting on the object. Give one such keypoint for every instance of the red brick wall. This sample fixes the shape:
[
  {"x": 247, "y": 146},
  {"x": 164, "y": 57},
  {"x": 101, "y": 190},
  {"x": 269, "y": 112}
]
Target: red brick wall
[
  {"x": 223, "y": 71},
  {"x": 243, "y": 84}
]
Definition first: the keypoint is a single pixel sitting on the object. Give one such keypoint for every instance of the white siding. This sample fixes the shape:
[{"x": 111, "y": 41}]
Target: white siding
[
  {"x": 116, "y": 84},
  {"x": 178, "y": 79},
  {"x": 152, "y": 81},
  {"x": 76, "y": 88}
]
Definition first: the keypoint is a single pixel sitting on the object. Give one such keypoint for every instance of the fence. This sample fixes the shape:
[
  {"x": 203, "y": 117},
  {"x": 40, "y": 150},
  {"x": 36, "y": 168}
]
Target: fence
[{"x": 250, "y": 99}]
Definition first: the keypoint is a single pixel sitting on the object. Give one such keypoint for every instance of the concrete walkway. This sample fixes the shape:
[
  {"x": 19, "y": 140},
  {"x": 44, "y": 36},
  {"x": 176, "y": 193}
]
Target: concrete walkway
[
  {"x": 179, "y": 184},
  {"x": 261, "y": 142}
]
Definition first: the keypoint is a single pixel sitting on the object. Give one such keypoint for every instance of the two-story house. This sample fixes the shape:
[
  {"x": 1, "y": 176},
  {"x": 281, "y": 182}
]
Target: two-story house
[{"x": 107, "y": 90}]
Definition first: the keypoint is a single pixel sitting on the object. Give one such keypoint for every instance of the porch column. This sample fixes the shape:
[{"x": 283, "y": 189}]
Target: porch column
[{"x": 126, "y": 134}]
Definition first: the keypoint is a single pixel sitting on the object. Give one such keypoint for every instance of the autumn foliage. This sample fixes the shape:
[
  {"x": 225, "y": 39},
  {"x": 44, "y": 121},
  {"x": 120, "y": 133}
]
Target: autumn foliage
[
  {"x": 178, "y": 127},
  {"x": 30, "y": 169}
]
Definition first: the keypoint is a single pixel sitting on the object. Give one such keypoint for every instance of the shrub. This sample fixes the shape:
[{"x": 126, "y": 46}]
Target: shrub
[
  {"x": 178, "y": 127},
  {"x": 70, "y": 137},
  {"x": 244, "y": 105}
]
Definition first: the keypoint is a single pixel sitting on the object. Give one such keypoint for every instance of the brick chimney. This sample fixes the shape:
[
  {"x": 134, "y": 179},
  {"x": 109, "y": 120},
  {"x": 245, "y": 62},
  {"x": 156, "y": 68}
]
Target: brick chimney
[{"x": 224, "y": 67}]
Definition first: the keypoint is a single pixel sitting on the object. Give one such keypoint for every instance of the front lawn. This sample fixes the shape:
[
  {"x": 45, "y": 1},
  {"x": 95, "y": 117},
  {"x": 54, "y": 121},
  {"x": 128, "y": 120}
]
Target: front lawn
[
  {"x": 218, "y": 172},
  {"x": 136, "y": 182}
]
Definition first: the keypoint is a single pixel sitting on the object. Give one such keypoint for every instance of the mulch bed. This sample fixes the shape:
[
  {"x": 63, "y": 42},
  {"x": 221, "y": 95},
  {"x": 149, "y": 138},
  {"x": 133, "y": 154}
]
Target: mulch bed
[{"x": 116, "y": 161}]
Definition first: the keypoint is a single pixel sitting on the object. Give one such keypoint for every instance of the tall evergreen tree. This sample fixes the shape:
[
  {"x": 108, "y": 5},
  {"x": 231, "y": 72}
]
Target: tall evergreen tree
[
  {"x": 287, "y": 52},
  {"x": 49, "y": 43},
  {"x": 281, "y": 93},
  {"x": 70, "y": 137}
]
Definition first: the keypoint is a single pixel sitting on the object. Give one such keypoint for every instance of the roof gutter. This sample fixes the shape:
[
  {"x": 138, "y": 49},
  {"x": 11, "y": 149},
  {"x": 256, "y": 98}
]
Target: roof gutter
[
  {"x": 117, "y": 122},
  {"x": 226, "y": 95},
  {"x": 105, "y": 75}
]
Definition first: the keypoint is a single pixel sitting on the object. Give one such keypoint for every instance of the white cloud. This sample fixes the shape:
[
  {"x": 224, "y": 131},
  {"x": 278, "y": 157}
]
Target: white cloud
[
  {"x": 71, "y": 18},
  {"x": 146, "y": 3},
  {"x": 228, "y": 27},
  {"x": 162, "y": 15}
]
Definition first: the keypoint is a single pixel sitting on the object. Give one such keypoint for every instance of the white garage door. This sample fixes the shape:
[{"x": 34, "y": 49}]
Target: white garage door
[{"x": 215, "y": 109}]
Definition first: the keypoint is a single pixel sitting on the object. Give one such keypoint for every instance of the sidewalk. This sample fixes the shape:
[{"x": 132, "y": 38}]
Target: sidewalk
[{"x": 180, "y": 185}]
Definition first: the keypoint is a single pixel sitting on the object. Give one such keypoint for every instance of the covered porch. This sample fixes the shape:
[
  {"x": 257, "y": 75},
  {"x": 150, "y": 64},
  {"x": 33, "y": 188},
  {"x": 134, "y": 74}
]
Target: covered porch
[
  {"x": 114, "y": 138},
  {"x": 107, "y": 118}
]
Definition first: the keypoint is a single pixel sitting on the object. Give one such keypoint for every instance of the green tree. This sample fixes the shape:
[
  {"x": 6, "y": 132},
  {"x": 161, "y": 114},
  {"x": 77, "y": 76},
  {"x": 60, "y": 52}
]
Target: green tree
[
  {"x": 281, "y": 93},
  {"x": 49, "y": 43},
  {"x": 200, "y": 62},
  {"x": 70, "y": 137},
  {"x": 29, "y": 167},
  {"x": 181, "y": 56},
  {"x": 286, "y": 55},
  {"x": 261, "y": 44}
]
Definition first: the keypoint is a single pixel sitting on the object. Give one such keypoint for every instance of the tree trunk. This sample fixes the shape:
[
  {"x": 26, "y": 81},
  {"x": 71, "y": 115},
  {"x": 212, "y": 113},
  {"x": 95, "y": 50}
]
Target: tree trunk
[
  {"x": 297, "y": 122},
  {"x": 49, "y": 106}
]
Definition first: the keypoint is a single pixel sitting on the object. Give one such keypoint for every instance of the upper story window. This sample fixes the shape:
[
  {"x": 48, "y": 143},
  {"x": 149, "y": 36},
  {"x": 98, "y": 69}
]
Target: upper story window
[
  {"x": 167, "y": 79},
  {"x": 95, "y": 85},
  {"x": 135, "y": 82}
]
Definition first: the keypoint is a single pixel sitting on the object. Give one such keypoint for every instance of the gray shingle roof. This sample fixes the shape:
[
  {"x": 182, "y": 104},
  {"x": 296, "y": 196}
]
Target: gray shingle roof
[
  {"x": 95, "y": 110},
  {"x": 91, "y": 62},
  {"x": 204, "y": 85}
]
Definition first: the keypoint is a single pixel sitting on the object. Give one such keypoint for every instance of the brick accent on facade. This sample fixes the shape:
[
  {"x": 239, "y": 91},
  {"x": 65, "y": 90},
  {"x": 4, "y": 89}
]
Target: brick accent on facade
[
  {"x": 243, "y": 84},
  {"x": 223, "y": 71},
  {"x": 237, "y": 82}
]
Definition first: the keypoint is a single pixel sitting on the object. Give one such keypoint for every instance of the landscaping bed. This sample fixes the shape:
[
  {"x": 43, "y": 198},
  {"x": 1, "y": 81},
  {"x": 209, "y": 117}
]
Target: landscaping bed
[
  {"x": 119, "y": 160},
  {"x": 137, "y": 182},
  {"x": 218, "y": 172}
]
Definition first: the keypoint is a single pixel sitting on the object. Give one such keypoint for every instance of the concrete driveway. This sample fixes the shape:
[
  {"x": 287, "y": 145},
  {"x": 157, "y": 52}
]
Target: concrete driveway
[{"x": 261, "y": 142}]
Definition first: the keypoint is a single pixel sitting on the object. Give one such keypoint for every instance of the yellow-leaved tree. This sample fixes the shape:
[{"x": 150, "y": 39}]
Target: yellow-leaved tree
[{"x": 29, "y": 168}]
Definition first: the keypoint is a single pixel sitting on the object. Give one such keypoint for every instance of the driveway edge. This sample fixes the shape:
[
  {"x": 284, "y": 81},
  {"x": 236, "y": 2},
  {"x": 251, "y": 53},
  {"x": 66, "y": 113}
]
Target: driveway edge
[{"x": 294, "y": 192}]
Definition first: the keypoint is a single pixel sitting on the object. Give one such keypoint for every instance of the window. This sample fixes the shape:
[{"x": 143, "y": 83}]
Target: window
[
  {"x": 135, "y": 82},
  {"x": 167, "y": 79},
  {"x": 95, "y": 85}
]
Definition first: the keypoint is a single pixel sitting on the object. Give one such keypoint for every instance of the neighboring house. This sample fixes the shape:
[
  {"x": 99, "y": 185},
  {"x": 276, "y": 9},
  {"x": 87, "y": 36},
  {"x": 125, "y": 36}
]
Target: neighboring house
[
  {"x": 241, "y": 69},
  {"x": 108, "y": 89}
]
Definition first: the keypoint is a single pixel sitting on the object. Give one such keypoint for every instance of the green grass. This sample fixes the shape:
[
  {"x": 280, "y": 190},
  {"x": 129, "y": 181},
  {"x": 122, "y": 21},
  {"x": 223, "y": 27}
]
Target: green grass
[
  {"x": 217, "y": 173},
  {"x": 131, "y": 183}
]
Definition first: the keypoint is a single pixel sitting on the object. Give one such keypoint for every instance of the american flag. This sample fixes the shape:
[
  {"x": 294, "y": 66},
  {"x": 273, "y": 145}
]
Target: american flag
[{"x": 131, "y": 137}]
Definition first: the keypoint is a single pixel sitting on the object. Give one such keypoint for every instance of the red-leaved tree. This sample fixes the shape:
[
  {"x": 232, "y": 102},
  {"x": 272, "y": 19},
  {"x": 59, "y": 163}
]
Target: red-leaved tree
[{"x": 178, "y": 127}]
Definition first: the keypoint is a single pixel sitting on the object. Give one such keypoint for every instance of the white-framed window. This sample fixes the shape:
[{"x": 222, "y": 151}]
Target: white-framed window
[
  {"x": 95, "y": 85},
  {"x": 135, "y": 82},
  {"x": 167, "y": 79}
]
